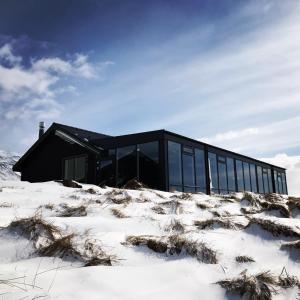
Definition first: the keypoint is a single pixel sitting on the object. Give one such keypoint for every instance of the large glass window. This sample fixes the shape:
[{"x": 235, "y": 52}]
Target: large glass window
[
  {"x": 213, "y": 172},
  {"x": 276, "y": 181},
  {"x": 240, "y": 176},
  {"x": 200, "y": 171},
  {"x": 260, "y": 180},
  {"x": 126, "y": 164},
  {"x": 253, "y": 178},
  {"x": 75, "y": 168},
  {"x": 231, "y": 174},
  {"x": 270, "y": 181},
  {"x": 284, "y": 188},
  {"x": 222, "y": 174},
  {"x": 188, "y": 173},
  {"x": 279, "y": 183},
  {"x": 247, "y": 177},
  {"x": 149, "y": 164},
  {"x": 174, "y": 162},
  {"x": 266, "y": 181}
]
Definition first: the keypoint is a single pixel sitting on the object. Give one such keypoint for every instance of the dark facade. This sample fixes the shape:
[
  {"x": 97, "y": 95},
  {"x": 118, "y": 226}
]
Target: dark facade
[{"x": 160, "y": 159}]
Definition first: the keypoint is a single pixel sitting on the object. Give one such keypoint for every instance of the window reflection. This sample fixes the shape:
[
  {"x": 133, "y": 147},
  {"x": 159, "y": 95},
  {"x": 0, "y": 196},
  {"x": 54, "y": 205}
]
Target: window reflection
[
  {"x": 222, "y": 174},
  {"x": 253, "y": 178},
  {"x": 188, "y": 173},
  {"x": 213, "y": 171},
  {"x": 247, "y": 177},
  {"x": 200, "y": 170},
  {"x": 231, "y": 174},
  {"x": 175, "y": 167},
  {"x": 126, "y": 164},
  {"x": 149, "y": 164},
  {"x": 240, "y": 175}
]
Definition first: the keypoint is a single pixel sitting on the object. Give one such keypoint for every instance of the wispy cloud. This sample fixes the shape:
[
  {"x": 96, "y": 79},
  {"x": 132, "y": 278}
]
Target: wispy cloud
[
  {"x": 30, "y": 92},
  {"x": 292, "y": 164}
]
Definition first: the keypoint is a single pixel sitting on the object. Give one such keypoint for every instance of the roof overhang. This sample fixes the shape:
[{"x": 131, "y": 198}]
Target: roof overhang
[{"x": 61, "y": 133}]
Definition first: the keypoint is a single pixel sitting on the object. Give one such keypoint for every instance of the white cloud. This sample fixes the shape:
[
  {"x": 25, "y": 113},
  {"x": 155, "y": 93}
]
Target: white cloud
[
  {"x": 7, "y": 55},
  {"x": 279, "y": 135},
  {"x": 28, "y": 92},
  {"x": 292, "y": 164}
]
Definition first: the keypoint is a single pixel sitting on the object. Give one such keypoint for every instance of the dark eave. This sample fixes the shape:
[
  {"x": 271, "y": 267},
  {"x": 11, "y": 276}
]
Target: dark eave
[
  {"x": 55, "y": 127},
  {"x": 221, "y": 149}
]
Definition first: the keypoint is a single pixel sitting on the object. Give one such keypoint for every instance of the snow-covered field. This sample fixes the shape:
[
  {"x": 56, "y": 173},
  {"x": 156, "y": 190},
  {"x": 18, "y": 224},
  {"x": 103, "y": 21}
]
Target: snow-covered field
[{"x": 108, "y": 216}]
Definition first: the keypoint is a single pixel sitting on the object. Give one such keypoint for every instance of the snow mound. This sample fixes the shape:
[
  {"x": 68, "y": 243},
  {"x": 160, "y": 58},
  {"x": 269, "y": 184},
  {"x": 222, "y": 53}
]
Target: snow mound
[
  {"x": 58, "y": 242},
  {"x": 7, "y": 160}
]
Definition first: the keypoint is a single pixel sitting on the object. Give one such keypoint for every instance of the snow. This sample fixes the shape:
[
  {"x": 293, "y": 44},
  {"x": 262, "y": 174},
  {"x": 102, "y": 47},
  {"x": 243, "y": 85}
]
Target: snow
[
  {"x": 7, "y": 160},
  {"x": 139, "y": 273}
]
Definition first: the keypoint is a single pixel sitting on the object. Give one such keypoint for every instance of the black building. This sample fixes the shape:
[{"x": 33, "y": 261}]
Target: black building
[{"x": 160, "y": 159}]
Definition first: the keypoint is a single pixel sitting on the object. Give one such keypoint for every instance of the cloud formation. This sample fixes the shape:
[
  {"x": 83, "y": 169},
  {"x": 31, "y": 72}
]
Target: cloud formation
[
  {"x": 292, "y": 164},
  {"x": 30, "y": 92}
]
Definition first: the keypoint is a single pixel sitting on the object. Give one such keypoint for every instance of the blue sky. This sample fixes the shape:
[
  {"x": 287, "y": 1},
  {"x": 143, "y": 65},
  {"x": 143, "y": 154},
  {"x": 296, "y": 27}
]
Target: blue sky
[{"x": 226, "y": 72}]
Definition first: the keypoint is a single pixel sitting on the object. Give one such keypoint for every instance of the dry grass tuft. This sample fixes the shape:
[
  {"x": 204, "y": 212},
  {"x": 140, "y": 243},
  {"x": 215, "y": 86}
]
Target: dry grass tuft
[
  {"x": 244, "y": 259},
  {"x": 252, "y": 198},
  {"x": 122, "y": 200},
  {"x": 62, "y": 247},
  {"x": 293, "y": 203},
  {"x": 133, "y": 184},
  {"x": 199, "y": 250},
  {"x": 175, "y": 245},
  {"x": 183, "y": 196},
  {"x": 274, "y": 228},
  {"x": 70, "y": 183},
  {"x": 73, "y": 211},
  {"x": 159, "y": 210},
  {"x": 285, "y": 280},
  {"x": 273, "y": 198},
  {"x": 175, "y": 206},
  {"x": 220, "y": 221},
  {"x": 91, "y": 191},
  {"x": 118, "y": 213},
  {"x": 33, "y": 228},
  {"x": 281, "y": 207},
  {"x": 152, "y": 242},
  {"x": 291, "y": 245},
  {"x": 176, "y": 226},
  {"x": 204, "y": 205},
  {"x": 6, "y": 205},
  {"x": 95, "y": 256},
  {"x": 260, "y": 286}
]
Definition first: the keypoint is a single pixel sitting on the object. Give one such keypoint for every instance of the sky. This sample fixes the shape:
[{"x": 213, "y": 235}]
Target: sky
[{"x": 224, "y": 72}]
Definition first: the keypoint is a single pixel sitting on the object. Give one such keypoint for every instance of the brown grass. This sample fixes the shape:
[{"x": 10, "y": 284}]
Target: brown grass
[
  {"x": 285, "y": 280},
  {"x": 95, "y": 256},
  {"x": 260, "y": 286},
  {"x": 252, "y": 198},
  {"x": 176, "y": 245},
  {"x": 133, "y": 184},
  {"x": 62, "y": 247},
  {"x": 273, "y": 198},
  {"x": 118, "y": 213},
  {"x": 274, "y": 228},
  {"x": 91, "y": 191},
  {"x": 175, "y": 225},
  {"x": 291, "y": 245},
  {"x": 222, "y": 222},
  {"x": 6, "y": 205},
  {"x": 174, "y": 205},
  {"x": 70, "y": 183},
  {"x": 159, "y": 210},
  {"x": 34, "y": 227},
  {"x": 204, "y": 205},
  {"x": 244, "y": 259},
  {"x": 124, "y": 200},
  {"x": 293, "y": 203},
  {"x": 183, "y": 196},
  {"x": 73, "y": 211}
]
